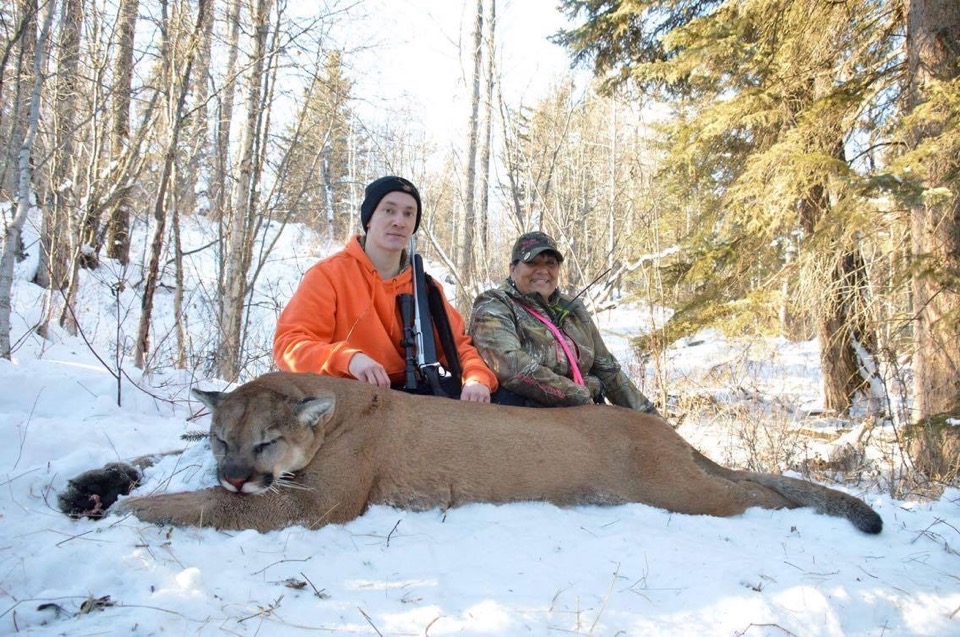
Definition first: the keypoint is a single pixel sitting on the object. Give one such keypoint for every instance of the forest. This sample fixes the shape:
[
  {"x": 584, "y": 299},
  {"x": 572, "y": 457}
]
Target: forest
[
  {"x": 759, "y": 200},
  {"x": 762, "y": 167}
]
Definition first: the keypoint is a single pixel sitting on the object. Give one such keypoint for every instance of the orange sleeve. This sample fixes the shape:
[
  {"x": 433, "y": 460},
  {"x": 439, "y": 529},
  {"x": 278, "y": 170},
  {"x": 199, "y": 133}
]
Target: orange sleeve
[
  {"x": 303, "y": 341},
  {"x": 473, "y": 366}
]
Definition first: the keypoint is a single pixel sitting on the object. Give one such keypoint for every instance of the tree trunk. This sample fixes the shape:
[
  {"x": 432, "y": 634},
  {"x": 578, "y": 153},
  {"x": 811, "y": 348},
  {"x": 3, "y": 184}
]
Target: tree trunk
[
  {"x": 513, "y": 157},
  {"x": 24, "y": 202},
  {"x": 466, "y": 261},
  {"x": 840, "y": 324},
  {"x": 59, "y": 233},
  {"x": 26, "y": 34},
  {"x": 219, "y": 186},
  {"x": 118, "y": 220},
  {"x": 237, "y": 244},
  {"x": 192, "y": 161},
  {"x": 70, "y": 210},
  {"x": 179, "y": 314},
  {"x": 842, "y": 330},
  {"x": 487, "y": 138},
  {"x": 933, "y": 43},
  {"x": 178, "y": 94}
]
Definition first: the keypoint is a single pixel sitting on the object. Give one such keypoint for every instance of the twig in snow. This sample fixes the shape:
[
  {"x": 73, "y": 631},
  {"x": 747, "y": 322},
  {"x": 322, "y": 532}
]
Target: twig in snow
[
  {"x": 390, "y": 534},
  {"x": 23, "y": 434},
  {"x": 76, "y": 536},
  {"x": 935, "y": 537},
  {"x": 264, "y": 612},
  {"x": 603, "y": 606},
  {"x": 785, "y": 631},
  {"x": 369, "y": 621},
  {"x": 306, "y": 559},
  {"x": 802, "y": 570},
  {"x": 426, "y": 631},
  {"x": 319, "y": 593}
]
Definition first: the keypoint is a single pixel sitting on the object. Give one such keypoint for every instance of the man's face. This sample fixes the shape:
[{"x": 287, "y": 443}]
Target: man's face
[
  {"x": 540, "y": 275},
  {"x": 392, "y": 222}
]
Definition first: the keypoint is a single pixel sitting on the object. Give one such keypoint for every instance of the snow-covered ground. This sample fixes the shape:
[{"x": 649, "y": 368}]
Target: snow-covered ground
[{"x": 519, "y": 569}]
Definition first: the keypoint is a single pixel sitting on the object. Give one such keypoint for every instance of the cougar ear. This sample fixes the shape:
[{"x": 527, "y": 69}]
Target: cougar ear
[
  {"x": 211, "y": 399},
  {"x": 314, "y": 412}
]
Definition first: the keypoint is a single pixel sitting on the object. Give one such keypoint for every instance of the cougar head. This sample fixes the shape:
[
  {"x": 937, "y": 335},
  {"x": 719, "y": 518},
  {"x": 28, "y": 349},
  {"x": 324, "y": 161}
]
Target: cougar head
[{"x": 261, "y": 437}]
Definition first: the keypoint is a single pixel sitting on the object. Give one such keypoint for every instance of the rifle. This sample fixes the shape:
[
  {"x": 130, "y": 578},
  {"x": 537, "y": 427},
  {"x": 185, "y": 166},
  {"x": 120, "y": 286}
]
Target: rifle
[
  {"x": 421, "y": 350},
  {"x": 563, "y": 312}
]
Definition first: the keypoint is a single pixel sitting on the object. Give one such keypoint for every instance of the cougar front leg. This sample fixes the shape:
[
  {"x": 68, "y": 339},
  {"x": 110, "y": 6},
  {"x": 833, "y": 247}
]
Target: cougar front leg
[
  {"x": 218, "y": 508},
  {"x": 92, "y": 492}
]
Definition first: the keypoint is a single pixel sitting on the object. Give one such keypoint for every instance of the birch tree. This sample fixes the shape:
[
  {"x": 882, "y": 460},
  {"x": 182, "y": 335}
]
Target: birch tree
[
  {"x": 118, "y": 221},
  {"x": 486, "y": 139},
  {"x": 240, "y": 225},
  {"x": 59, "y": 243},
  {"x": 25, "y": 195},
  {"x": 220, "y": 182},
  {"x": 192, "y": 170},
  {"x": 16, "y": 82},
  {"x": 180, "y": 84}
]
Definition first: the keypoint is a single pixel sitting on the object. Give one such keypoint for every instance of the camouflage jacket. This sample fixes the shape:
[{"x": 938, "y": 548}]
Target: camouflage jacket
[{"x": 529, "y": 361}]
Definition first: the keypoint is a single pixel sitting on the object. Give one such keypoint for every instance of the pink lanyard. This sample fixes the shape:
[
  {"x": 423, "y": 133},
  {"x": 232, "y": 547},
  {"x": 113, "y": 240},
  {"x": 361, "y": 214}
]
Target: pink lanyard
[{"x": 577, "y": 377}]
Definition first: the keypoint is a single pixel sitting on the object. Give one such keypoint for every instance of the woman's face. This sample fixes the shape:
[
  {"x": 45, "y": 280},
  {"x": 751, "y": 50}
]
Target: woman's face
[{"x": 540, "y": 275}]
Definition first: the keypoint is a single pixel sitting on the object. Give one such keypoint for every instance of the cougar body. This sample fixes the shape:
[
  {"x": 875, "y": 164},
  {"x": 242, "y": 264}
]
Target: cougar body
[{"x": 312, "y": 450}]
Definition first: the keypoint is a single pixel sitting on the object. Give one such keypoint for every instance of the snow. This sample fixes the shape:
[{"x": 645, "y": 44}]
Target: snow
[{"x": 519, "y": 569}]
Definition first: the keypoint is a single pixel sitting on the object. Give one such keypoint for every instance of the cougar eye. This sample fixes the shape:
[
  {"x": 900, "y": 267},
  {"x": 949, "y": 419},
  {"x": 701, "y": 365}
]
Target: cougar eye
[
  {"x": 217, "y": 440},
  {"x": 263, "y": 446}
]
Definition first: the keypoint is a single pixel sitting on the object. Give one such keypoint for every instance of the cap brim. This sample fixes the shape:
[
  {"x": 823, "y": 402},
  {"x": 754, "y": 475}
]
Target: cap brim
[{"x": 535, "y": 252}]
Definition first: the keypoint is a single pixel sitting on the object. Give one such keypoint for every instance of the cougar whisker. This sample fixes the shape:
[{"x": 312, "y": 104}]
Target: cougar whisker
[{"x": 286, "y": 481}]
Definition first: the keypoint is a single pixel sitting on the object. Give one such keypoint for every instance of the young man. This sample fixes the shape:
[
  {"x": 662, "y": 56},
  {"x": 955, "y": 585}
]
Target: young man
[{"x": 344, "y": 321}]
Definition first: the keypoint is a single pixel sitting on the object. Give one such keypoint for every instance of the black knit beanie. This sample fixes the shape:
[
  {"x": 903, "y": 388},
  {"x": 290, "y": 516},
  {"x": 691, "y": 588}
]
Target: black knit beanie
[{"x": 378, "y": 189}]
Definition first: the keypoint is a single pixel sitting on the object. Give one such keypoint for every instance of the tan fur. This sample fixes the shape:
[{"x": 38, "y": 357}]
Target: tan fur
[{"x": 346, "y": 445}]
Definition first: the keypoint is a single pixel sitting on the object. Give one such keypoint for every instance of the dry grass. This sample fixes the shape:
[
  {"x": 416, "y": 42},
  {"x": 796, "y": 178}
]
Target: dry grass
[{"x": 730, "y": 413}]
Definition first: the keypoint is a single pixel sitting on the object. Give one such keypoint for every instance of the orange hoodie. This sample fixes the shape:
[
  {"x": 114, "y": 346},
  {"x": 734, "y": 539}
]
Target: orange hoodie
[{"x": 343, "y": 307}]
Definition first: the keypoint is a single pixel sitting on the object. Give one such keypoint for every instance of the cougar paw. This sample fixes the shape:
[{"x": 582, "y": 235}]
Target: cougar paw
[{"x": 91, "y": 493}]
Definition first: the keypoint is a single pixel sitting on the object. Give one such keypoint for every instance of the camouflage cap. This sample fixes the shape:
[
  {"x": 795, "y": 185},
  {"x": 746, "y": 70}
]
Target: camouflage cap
[{"x": 530, "y": 244}]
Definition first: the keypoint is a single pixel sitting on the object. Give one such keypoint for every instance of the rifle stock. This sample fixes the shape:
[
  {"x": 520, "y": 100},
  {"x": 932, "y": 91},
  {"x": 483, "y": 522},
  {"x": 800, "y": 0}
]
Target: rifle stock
[{"x": 409, "y": 342}]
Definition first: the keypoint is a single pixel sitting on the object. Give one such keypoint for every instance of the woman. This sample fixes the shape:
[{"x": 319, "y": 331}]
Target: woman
[
  {"x": 542, "y": 345},
  {"x": 343, "y": 320}
]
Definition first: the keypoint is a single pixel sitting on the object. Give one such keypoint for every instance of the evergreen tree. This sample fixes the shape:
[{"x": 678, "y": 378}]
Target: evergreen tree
[
  {"x": 317, "y": 189},
  {"x": 773, "y": 102},
  {"x": 931, "y": 168}
]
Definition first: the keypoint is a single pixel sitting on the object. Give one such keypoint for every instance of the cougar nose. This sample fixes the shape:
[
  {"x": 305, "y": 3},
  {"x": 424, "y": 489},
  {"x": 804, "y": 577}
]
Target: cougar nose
[
  {"x": 236, "y": 483},
  {"x": 235, "y": 476},
  {"x": 235, "y": 473}
]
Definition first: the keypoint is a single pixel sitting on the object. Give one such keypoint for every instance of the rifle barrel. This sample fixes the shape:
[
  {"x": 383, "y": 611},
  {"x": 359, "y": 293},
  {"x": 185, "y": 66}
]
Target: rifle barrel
[{"x": 426, "y": 347}]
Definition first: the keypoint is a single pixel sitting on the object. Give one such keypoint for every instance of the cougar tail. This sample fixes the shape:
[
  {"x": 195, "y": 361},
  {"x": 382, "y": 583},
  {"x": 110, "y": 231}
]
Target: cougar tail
[{"x": 822, "y": 499}]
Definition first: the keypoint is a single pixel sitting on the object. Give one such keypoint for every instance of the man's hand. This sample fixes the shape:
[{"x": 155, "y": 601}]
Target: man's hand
[
  {"x": 364, "y": 368},
  {"x": 475, "y": 392}
]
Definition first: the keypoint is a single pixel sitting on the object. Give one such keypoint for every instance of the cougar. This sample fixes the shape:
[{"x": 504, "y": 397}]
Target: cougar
[{"x": 313, "y": 450}]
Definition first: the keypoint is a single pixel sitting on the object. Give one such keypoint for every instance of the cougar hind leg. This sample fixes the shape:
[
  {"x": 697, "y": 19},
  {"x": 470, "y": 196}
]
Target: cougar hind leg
[
  {"x": 684, "y": 481},
  {"x": 803, "y": 493}
]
